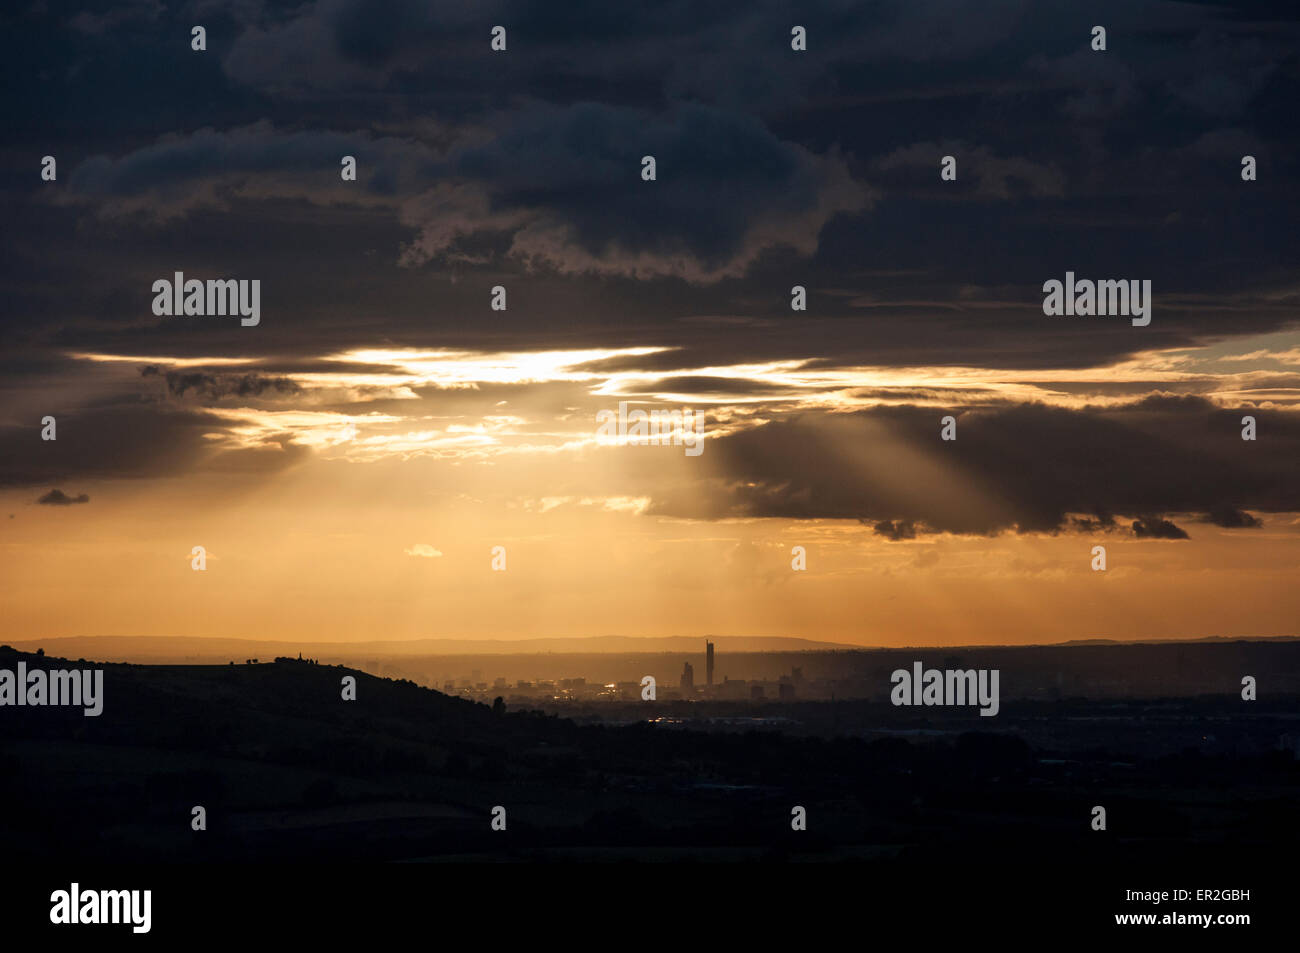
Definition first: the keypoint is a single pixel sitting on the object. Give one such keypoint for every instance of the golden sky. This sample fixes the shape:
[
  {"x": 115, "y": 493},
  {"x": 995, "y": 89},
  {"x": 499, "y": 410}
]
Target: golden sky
[
  {"x": 840, "y": 247},
  {"x": 378, "y": 521}
]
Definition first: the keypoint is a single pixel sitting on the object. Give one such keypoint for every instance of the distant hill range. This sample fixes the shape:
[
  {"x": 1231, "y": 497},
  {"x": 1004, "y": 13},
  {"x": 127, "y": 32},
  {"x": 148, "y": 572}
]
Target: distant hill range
[
  {"x": 1207, "y": 638},
  {"x": 184, "y": 648},
  {"x": 159, "y": 647}
]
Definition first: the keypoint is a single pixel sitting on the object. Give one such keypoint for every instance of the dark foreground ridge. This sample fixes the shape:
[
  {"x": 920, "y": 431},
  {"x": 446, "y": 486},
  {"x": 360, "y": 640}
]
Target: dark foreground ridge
[{"x": 287, "y": 770}]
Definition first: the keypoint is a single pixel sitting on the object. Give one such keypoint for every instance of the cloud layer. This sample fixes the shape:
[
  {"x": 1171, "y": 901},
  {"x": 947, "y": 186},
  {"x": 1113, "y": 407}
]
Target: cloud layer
[{"x": 1028, "y": 468}]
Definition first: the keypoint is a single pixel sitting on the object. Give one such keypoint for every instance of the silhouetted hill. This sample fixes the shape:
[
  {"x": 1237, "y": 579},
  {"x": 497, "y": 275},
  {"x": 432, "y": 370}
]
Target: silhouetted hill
[{"x": 288, "y": 770}]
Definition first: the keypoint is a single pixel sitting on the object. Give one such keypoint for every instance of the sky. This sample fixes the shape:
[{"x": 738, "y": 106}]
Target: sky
[{"x": 350, "y": 462}]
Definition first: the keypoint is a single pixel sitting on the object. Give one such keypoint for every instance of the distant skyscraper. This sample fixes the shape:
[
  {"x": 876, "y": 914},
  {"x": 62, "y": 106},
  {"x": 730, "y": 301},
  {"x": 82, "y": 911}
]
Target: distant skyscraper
[
  {"x": 708, "y": 664},
  {"x": 688, "y": 678}
]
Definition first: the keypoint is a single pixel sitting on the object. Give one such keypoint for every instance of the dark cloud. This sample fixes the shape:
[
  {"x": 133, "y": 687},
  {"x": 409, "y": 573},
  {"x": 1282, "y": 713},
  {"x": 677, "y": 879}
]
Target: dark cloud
[
  {"x": 500, "y": 167},
  {"x": 130, "y": 439},
  {"x": 119, "y": 14},
  {"x": 59, "y": 498},
  {"x": 702, "y": 384},
  {"x": 1085, "y": 524},
  {"x": 1029, "y": 468},
  {"x": 216, "y": 386},
  {"x": 895, "y": 529},
  {"x": 775, "y": 168},
  {"x": 177, "y": 174},
  {"x": 996, "y": 178},
  {"x": 1230, "y": 517},
  {"x": 726, "y": 190},
  {"x": 1152, "y": 527},
  {"x": 721, "y": 52}
]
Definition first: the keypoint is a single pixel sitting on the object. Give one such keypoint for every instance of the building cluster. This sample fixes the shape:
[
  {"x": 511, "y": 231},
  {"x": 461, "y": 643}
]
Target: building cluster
[{"x": 783, "y": 688}]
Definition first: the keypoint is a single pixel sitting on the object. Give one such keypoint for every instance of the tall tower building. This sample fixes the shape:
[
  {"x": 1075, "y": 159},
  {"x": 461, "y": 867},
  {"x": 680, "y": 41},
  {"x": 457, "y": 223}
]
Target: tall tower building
[
  {"x": 688, "y": 678},
  {"x": 708, "y": 664}
]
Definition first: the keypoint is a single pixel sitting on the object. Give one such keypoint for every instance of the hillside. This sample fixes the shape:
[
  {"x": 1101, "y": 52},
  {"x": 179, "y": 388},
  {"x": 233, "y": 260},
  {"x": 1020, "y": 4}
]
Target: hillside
[{"x": 287, "y": 770}]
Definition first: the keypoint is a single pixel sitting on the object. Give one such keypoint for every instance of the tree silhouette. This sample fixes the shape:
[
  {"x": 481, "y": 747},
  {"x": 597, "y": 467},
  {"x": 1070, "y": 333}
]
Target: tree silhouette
[{"x": 499, "y": 706}]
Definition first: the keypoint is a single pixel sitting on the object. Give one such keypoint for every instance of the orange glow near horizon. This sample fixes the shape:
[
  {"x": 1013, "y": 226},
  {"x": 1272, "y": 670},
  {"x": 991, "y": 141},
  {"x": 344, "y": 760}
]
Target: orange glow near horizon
[{"x": 322, "y": 524}]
